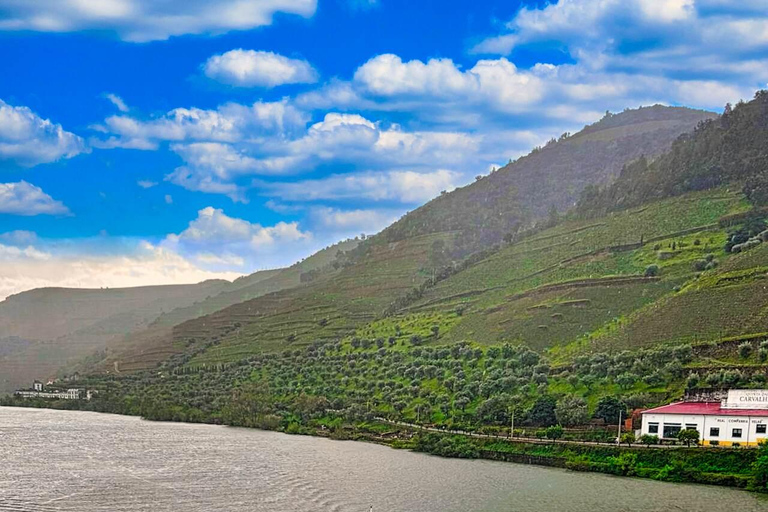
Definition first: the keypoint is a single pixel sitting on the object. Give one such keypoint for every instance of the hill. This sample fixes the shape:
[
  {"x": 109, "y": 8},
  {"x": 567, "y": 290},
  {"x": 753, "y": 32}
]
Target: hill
[
  {"x": 93, "y": 323},
  {"x": 549, "y": 179},
  {"x": 410, "y": 251},
  {"x": 42, "y": 329}
]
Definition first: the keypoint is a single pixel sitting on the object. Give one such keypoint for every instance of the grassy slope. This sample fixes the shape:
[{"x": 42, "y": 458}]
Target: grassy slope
[
  {"x": 554, "y": 288},
  {"x": 345, "y": 300}
]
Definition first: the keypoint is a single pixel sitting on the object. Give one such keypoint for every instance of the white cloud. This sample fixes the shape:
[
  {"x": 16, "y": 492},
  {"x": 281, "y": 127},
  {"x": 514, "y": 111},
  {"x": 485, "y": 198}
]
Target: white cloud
[
  {"x": 497, "y": 82},
  {"x": 31, "y": 140},
  {"x": 146, "y": 183},
  {"x": 353, "y": 221},
  {"x": 249, "y": 68},
  {"x": 117, "y": 101},
  {"x": 22, "y": 198},
  {"x": 213, "y": 227},
  {"x": 19, "y": 237},
  {"x": 400, "y": 186},
  {"x": 147, "y": 20},
  {"x": 143, "y": 264},
  {"x": 228, "y": 123},
  {"x": 168, "y": 199},
  {"x": 670, "y": 38}
]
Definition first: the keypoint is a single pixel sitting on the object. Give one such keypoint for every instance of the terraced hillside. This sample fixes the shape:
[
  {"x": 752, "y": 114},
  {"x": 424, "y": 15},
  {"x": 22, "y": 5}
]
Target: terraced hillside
[
  {"x": 153, "y": 343},
  {"x": 569, "y": 281},
  {"x": 345, "y": 299}
]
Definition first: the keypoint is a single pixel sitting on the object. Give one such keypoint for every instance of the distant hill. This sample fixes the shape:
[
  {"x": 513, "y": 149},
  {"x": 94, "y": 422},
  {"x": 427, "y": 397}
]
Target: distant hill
[
  {"x": 47, "y": 329},
  {"x": 44, "y": 328},
  {"x": 548, "y": 179}
]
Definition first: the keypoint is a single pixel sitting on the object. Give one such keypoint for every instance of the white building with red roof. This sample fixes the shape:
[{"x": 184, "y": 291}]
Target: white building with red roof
[{"x": 739, "y": 420}]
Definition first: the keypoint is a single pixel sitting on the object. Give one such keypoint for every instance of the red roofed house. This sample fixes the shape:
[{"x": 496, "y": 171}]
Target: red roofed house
[{"x": 742, "y": 418}]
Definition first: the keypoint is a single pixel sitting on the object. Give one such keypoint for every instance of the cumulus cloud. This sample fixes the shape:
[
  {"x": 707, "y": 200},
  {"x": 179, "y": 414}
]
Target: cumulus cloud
[
  {"x": 249, "y": 68},
  {"x": 22, "y": 198},
  {"x": 30, "y": 140},
  {"x": 146, "y": 183},
  {"x": 496, "y": 81},
  {"x": 676, "y": 39},
  {"x": 254, "y": 245},
  {"x": 228, "y": 123},
  {"x": 400, "y": 186},
  {"x": 18, "y": 237},
  {"x": 148, "y": 20}
]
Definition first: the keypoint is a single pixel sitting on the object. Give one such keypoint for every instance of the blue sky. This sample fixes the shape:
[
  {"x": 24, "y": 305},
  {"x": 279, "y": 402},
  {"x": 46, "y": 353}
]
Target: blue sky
[{"x": 145, "y": 144}]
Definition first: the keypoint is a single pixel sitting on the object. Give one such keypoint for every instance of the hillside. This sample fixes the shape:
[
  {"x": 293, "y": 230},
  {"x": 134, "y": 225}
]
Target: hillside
[
  {"x": 348, "y": 297},
  {"x": 154, "y": 343},
  {"x": 42, "y": 329},
  {"x": 82, "y": 323},
  {"x": 525, "y": 191},
  {"x": 730, "y": 149}
]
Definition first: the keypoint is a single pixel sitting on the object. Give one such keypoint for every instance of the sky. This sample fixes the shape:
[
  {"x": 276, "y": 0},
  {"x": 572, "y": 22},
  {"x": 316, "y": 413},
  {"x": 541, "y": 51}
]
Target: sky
[{"x": 146, "y": 142}]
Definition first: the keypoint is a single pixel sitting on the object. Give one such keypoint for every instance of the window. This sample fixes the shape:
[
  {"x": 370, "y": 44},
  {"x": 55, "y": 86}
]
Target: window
[
  {"x": 736, "y": 432},
  {"x": 671, "y": 430},
  {"x": 714, "y": 432},
  {"x": 691, "y": 426},
  {"x": 761, "y": 428},
  {"x": 653, "y": 428}
]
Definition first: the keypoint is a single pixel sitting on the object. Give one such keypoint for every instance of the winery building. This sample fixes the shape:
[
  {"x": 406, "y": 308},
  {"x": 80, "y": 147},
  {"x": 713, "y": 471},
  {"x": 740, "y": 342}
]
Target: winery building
[{"x": 741, "y": 419}]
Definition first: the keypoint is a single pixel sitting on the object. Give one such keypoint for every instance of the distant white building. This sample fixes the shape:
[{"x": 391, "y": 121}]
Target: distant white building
[
  {"x": 38, "y": 391},
  {"x": 740, "y": 419}
]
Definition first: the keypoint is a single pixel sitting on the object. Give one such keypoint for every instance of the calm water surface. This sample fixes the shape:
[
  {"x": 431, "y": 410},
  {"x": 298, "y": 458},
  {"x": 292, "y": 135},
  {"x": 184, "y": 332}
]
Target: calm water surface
[{"x": 77, "y": 461}]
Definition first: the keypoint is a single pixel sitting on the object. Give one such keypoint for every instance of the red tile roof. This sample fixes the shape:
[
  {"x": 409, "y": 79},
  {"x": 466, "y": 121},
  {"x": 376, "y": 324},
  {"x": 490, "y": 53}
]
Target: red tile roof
[{"x": 704, "y": 408}]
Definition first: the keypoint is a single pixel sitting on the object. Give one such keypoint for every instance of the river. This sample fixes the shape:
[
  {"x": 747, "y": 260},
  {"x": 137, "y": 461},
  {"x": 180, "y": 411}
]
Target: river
[{"x": 79, "y": 461}]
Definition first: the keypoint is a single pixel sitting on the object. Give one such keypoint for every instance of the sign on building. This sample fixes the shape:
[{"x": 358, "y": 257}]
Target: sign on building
[{"x": 747, "y": 399}]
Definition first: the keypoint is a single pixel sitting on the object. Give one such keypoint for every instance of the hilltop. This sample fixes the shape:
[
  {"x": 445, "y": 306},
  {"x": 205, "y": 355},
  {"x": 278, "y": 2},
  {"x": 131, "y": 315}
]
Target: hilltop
[{"x": 549, "y": 179}]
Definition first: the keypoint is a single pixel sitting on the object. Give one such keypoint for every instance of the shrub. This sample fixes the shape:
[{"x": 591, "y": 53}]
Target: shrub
[
  {"x": 648, "y": 439},
  {"x": 651, "y": 271},
  {"x": 688, "y": 436},
  {"x": 745, "y": 350},
  {"x": 693, "y": 380},
  {"x": 628, "y": 438},
  {"x": 700, "y": 265},
  {"x": 762, "y": 354},
  {"x": 554, "y": 432}
]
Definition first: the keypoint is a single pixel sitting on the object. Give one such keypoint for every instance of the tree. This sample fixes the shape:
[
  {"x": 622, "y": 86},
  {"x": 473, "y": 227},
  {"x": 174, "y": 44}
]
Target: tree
[
  {"x": 651, "y": 271},
  {"x": 648, "y": 439},
  {"x": 571, "y": 411},
  {"x": 435, "y": 330},
  {"x": 627, "y": 437},
  {"x": 609, "y": 408},
  {"x": 554, "y": 432},
  {"x": 688, "y": 436},
  {"x": 745, "y": 349},
  {"x": 543, "y": 411}
]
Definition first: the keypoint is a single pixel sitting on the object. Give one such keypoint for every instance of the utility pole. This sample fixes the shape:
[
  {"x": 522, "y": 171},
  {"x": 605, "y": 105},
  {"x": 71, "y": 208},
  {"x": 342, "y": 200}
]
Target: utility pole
[
  {"x": 618, "y": 437},
  {"x": 512, "y": 425}
]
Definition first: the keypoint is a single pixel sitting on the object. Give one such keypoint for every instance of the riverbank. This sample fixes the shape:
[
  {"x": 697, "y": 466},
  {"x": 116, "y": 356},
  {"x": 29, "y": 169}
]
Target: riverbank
[{"x": 739, "y": 468}]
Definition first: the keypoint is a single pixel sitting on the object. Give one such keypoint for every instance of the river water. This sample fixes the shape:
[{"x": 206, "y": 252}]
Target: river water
[{"x": 78, "y": 461}]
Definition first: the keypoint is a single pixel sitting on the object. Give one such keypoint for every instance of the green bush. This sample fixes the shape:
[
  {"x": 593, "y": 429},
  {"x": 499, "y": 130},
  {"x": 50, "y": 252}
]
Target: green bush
[{"x": 651, "y": 271}]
